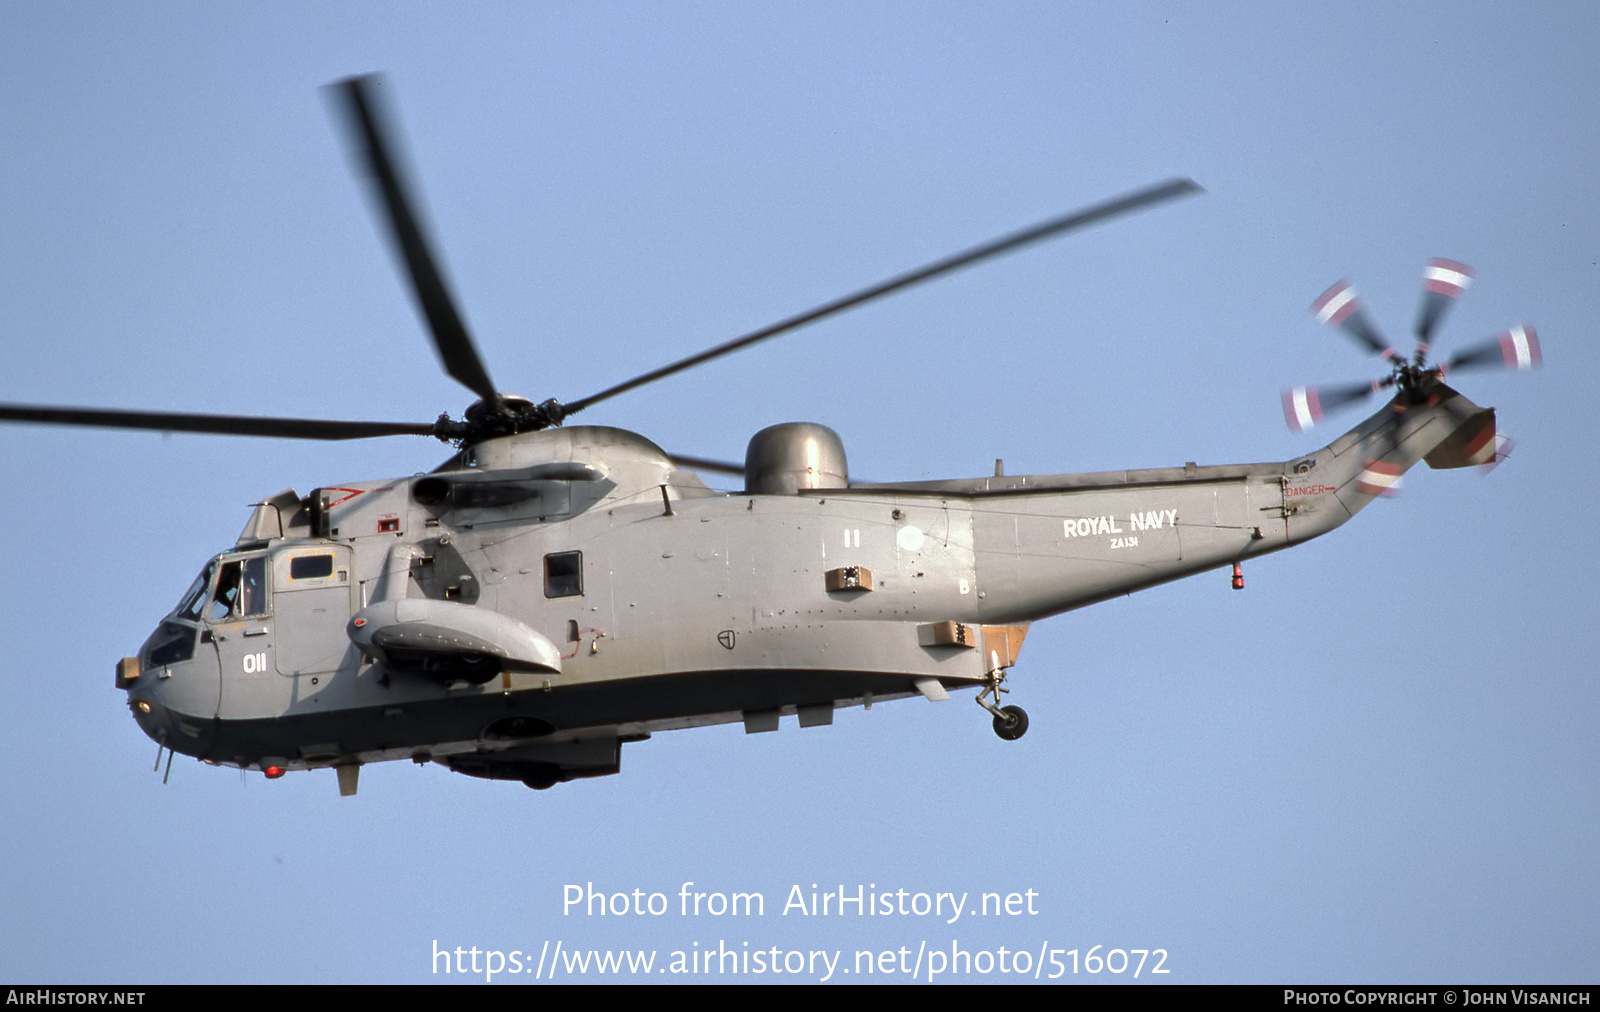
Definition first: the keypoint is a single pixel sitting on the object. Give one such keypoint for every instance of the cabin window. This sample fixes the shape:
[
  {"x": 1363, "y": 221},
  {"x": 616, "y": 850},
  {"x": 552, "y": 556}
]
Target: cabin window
[
  {"x": 563, "y": 574},
  {"x": 310, "y": 567}
]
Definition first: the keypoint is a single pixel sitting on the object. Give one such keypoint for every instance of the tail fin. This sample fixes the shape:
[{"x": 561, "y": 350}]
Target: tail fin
[
  {"x": 1473, "y": 443},
  {"x": 1447, "y": 430}
]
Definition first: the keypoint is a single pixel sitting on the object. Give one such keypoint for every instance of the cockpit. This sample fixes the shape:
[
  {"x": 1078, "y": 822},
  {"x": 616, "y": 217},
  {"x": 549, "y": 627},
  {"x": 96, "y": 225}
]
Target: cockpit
[{"x": 227, "y": 590}]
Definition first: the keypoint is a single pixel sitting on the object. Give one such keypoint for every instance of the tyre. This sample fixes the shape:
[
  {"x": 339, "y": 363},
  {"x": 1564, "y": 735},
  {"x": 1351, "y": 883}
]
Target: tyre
[{"x": 1011, "y": 723}]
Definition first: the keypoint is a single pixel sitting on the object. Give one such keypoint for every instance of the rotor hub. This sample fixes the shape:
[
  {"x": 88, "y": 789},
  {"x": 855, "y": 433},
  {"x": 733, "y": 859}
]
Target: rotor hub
[{"x": 502, "y": 415}]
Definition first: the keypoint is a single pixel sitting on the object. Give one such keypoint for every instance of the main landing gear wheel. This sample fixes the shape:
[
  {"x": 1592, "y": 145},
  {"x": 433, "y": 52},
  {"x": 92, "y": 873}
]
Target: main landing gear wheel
[{"x": 1011, "y": 722}]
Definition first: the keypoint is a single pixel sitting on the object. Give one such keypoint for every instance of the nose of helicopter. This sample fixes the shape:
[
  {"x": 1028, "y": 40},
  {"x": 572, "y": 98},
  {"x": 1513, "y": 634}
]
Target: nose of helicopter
[{"x": 173, "y": 689}]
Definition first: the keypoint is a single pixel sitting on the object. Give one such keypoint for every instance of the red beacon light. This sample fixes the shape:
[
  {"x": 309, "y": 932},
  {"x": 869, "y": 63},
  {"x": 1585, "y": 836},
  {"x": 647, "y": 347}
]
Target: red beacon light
[
  {"x": 1238, "y": 576},
  {"x": 274, "y": 772}
]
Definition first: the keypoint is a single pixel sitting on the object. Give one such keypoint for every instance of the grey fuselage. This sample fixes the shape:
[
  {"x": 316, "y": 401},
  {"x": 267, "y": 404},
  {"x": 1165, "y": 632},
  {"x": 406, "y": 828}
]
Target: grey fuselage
[{"x": 572, "y": 589}]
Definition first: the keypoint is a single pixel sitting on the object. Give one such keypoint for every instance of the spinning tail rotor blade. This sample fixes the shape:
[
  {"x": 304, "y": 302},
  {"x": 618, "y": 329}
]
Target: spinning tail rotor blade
[
  {"x": 1517, "y": 348},
  {"x": 1503, "y": 445},
  {"x": 1379, "y": 477},
  {"x": 1340, "y": 307},
  {"x": 367, "y": 125},
  {"x": 1442, "y": 283},
  {"x": 1005, "y": 244},
  {"x": 1303, "y": 407},
  {"x": 1417, "y": 386}
]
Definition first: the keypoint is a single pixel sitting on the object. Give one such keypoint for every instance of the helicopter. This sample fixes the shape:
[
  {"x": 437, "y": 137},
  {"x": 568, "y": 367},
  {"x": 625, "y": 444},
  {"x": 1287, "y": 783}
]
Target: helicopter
[{"x": 552, "y": 592}]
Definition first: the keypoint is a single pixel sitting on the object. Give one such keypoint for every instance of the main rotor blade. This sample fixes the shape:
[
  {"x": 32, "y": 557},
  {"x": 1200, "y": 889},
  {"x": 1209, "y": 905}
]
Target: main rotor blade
[
  {"x": 1005, "y": 244},
  {"x": 366, "y": 122},
  {"x": 220, "y": 425},
  {"x": 722, "y": 466},
  {"x": 706, "y": 464}
]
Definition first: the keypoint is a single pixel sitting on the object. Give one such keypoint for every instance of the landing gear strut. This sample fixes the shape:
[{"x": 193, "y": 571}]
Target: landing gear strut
[{"x": 1010, "y": 722}]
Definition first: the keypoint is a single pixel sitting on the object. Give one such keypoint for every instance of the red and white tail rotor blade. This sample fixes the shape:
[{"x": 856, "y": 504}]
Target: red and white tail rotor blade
[
  {"x": 1303, "y": 407},
  {"x": 1379, "y": 477},
  {"x": 1517, "y": 348},
  {"x": 1503, "y": 446},
  {"x": 1341, "y": 307},
  {"x": 1442, "y": 283}
]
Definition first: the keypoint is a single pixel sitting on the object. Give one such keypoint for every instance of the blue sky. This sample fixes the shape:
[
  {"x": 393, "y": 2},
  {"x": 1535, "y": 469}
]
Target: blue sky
[{"x": 1376, "y": 763}]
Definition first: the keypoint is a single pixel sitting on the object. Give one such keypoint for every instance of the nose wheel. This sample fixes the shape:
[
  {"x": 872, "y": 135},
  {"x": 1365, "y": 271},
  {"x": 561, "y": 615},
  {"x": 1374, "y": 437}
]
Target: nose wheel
[{"x": 1010, "y": 722}]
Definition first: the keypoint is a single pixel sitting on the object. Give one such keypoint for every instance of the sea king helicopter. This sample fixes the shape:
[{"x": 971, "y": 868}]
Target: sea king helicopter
[{"x": 553, "y": 591}]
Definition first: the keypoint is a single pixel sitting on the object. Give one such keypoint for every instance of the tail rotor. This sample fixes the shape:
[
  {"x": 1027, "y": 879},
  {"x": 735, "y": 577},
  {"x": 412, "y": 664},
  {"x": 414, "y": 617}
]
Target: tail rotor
[
  {"x": 1415, "y": 382},
  {"x": 1443, "y": 282}
]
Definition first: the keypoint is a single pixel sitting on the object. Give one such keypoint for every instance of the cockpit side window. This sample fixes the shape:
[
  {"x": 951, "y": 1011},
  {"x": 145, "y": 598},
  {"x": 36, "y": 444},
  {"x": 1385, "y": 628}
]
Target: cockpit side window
[
  {"x": 227, "y": 592},
  {"x": 241, "y": 590},
  {"x": 253, "y": 591}
]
